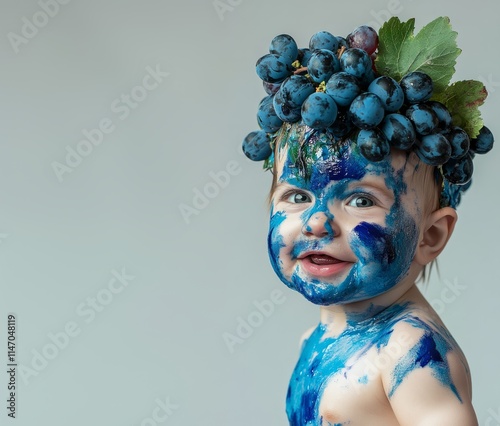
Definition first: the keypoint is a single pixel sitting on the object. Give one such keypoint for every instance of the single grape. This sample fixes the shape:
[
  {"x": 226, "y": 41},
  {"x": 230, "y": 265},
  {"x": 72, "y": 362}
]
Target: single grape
[
  {"x": 342, "y": 125},
  {"x": 295, "y": 90},
  {"x": 343, "y": 88},
  {"x": 322, "y": 65},
  {"x": 342, "y": 42},
  {"x": 417, "y": 87},
  {"x": 442, "y": 114},
  {"x": 367, "y": 79},
  {"x": 355, "y": 62},
  {"x": 373, "y": 144},
  {"x": 319, "y": 110},
  {"x": 324, "y": 40},
  {"x": 467, "y": 185},
  {"x": 364, "y": 37},
  {"x": 267, "y": 117},
  {"x": 373, "y": 57},
  {"x": 423, "y": 118},
  {"x": 284, "y": 111},
  {"x": 450, "y": 194},
  {"x": 256, "y": 145},
  {"x": 434, "y": 149},
  {"x": 271, "y": 88},
  {"x": 304, "y": 56},
  {"x": 366, "y": 111},
  {"x": 459, "y": 171},
  {"x": 285, "y": 47},
  {"x": 483, "y": 142},
  {"x": 272, "y": 69},
  {"x": 389, "y": 92},
  {"x": 399, "y": 131},
  {"x": 459, "y": 141}
]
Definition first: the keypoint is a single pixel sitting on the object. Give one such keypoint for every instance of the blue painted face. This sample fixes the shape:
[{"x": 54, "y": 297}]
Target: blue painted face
[{"x": 347, "y": 229}]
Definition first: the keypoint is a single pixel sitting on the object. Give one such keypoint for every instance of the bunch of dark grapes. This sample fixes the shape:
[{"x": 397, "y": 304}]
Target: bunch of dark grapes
[{"x": 333, "y": 86}]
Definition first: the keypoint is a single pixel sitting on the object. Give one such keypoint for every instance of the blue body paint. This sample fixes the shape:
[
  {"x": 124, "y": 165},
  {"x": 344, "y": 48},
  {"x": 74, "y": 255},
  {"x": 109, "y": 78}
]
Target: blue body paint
[
  {"x": 323, "y": 358},
  {"x": 430, "y": 351},
  {"x": 276, "y": 220},
  {"x": 363, "y": 379}
]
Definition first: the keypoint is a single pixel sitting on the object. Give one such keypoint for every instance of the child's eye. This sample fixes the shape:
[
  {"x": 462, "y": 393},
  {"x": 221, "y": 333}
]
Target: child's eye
[
  {"x": 361, "y": 201},
  {"x": 297, "y": 198}
]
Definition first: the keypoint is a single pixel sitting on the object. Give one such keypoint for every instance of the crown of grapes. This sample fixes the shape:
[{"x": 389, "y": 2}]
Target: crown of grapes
[{"x": 390, "y": 89}]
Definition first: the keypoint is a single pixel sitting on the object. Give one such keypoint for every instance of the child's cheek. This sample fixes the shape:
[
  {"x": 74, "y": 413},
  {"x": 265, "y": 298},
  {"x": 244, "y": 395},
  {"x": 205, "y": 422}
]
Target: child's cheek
[
  {"x": 275, "y": 240},
  {"x": 371, "y": 242},
  {"x": 385, "y": 253}
]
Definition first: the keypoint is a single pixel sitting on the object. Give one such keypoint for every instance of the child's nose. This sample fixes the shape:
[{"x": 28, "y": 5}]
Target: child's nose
[{"x": 320, "y": 224}]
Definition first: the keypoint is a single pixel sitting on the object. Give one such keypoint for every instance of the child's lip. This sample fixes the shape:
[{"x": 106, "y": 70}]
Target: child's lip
[
  {"x": 319, "y": 254},
  {"x": 321, "y": 264}
]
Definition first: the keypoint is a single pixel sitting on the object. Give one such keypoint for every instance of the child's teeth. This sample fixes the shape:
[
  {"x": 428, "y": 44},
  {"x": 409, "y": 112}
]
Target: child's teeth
[{"x": 322, "y": 259}]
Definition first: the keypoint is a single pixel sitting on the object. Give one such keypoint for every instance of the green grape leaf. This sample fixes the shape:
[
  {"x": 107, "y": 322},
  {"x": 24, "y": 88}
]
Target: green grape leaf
[
  {"x": 433, "y": 50},
  {"x": 463, "y": 99},
  {"x": 293, "y": 151},
  {"x": 269, "y": 163}
]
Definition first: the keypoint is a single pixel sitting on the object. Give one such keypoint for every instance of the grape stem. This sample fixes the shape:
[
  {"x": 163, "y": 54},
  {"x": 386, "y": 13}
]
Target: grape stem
[
  {"x": 341, "y": 51},
  {"x": 300, "y": 70}
]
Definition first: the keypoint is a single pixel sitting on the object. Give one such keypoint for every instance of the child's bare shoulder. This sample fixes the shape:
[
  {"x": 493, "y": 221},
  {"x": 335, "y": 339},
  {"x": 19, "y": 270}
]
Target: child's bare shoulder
[
  {"x": 426, "y": 365},
  {"x": 306, "y": 336},
  {"x": 421, "y": 324}
]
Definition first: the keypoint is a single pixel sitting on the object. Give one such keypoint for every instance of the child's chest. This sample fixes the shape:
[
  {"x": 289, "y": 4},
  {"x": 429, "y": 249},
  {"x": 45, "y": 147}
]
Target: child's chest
[{"x": 335, "y": 378}]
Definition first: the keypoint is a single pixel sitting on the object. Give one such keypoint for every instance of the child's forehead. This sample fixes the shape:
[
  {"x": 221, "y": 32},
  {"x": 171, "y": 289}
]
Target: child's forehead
[{"x": 317, "y": 164}]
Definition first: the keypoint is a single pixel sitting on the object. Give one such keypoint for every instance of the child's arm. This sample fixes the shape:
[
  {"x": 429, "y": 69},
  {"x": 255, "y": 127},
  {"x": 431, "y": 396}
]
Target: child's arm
[{"x": 428, "y": 383}]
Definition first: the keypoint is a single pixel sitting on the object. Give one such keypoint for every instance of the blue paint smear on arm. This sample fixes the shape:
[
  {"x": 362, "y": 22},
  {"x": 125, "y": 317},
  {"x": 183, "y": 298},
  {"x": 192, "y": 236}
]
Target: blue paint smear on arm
[
  {"x": 363, "y": 380},
  {"x": 430, "y": 351}
]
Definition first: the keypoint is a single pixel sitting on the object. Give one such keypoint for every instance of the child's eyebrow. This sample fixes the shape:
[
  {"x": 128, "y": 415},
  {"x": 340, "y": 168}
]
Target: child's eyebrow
[
  {"x": 377, "y": 183},
  {"x": 283, "y": 184},
  {"x": 376, "y": 188},
  {"x": 371, "y": 181}
]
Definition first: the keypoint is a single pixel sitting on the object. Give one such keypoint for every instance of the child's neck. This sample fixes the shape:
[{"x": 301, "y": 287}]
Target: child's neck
[{"x": 340, "y": 317}]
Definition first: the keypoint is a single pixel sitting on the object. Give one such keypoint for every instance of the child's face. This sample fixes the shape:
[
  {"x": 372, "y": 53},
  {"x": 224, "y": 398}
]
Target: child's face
[{"x": 350, "y": 232}]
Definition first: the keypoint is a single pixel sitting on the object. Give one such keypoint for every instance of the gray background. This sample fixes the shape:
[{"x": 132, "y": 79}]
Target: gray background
[{"x": 161, "y": 338}]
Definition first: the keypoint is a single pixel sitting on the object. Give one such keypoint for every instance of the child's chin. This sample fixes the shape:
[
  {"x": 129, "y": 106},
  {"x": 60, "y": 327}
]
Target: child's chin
[
  {"x": 326, "y": 299},
  {"x": 323, "y": 293}
]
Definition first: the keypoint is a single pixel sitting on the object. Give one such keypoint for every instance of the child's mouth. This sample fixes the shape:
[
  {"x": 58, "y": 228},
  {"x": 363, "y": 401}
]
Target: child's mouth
[
  {"x": 323, "y": 265},
  {"x": 322, "y": 259}
]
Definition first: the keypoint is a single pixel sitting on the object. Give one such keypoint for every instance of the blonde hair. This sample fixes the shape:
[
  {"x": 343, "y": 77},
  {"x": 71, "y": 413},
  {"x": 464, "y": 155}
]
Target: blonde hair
[{"x": 430, "y": 182}]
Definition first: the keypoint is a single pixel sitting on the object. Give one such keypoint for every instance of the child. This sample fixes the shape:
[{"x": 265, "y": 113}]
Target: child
[
  {"x": 352, "y": 226},
  {"x": 353, "y": 238}
]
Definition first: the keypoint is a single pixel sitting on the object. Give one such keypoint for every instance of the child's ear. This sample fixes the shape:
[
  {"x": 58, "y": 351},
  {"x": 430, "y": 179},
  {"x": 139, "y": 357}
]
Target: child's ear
[{"x": 436, "y": 232}]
